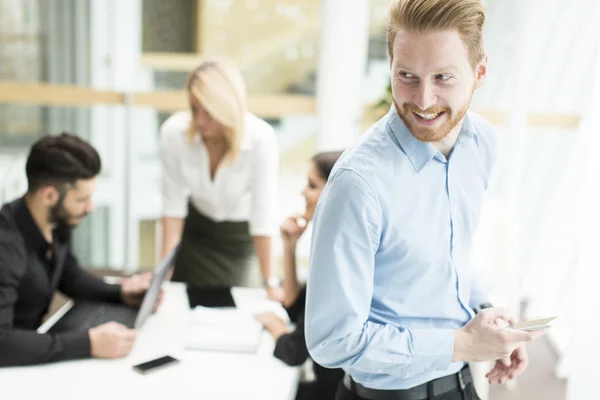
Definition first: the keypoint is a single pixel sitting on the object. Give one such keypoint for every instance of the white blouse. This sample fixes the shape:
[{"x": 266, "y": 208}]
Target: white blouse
[{"x": 245, "y": 190}]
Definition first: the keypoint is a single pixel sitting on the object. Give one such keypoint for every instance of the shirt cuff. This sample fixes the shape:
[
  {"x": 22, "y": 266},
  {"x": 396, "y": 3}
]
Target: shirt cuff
[
  {"x": 288, "y": 350},
  {"x": 76, "y": 344},
  {"x": 262, "y": 231},
  {"x": 114, "y": 293},
  {"x": 433, "y": 348},
  {"x": 476, "y": 302},
  {"x": 174, "y": 213}
]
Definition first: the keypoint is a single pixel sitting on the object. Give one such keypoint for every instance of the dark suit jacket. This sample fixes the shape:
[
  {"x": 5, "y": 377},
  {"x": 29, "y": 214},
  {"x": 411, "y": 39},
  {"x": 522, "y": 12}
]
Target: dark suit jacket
[{"x": 31, "y": 270}]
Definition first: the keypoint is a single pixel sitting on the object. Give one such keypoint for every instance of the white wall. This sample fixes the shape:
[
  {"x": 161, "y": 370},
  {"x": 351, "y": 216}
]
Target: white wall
[
  {"x": 115, "y": 41},
  {"x": 582, "y": 359}
]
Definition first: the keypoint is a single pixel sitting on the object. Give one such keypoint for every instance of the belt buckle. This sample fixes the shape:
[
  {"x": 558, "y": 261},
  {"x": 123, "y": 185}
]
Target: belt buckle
[{"x": 461, "y": 381}]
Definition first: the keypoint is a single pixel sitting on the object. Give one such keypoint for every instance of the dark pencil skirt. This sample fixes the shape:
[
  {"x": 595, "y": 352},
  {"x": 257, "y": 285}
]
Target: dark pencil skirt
[{"x": 214, "y": 254}]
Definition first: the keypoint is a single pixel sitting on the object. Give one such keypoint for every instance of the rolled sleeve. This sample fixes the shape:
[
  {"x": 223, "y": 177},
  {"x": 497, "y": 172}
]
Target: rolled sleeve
[
  {"x": 174, "y": 189},
  {"x": 433, "y": 348},
  {"x": 264, "y": 202}
]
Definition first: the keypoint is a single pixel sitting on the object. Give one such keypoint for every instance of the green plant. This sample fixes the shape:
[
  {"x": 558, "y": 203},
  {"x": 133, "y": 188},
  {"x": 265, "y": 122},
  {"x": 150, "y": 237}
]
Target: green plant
[
  {"x": 386, "y": 100},
  {"x": 380, "y": 107}
]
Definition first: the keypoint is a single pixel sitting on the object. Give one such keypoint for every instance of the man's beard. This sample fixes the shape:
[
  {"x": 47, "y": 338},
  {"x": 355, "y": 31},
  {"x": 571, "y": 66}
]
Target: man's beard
[
  {"x": 60, "y": 216},
  {"x": 432, "y": 134}
]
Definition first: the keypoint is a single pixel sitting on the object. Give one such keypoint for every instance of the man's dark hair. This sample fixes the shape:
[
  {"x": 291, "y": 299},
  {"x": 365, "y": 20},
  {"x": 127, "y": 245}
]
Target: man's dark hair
[
  {"x": 324, "y": 162},
  {"x": 61, "y": 160}
]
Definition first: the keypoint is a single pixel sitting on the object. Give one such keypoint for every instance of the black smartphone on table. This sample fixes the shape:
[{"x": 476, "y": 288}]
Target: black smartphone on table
[{"x": 153, "y": 365}]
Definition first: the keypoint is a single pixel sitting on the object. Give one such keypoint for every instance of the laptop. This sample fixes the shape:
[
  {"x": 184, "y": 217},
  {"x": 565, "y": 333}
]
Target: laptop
[{"x": 88, "y": 314}]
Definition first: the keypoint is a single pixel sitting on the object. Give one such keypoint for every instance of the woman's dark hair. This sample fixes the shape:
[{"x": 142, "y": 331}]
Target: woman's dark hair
[
  {"x": 325, "y": 161},
  {"x": 60, "y": 160}
]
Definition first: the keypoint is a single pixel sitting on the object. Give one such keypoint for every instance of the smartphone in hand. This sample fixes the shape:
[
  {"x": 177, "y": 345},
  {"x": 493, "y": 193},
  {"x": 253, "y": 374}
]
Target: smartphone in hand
[{"x": 533, "y": 325}]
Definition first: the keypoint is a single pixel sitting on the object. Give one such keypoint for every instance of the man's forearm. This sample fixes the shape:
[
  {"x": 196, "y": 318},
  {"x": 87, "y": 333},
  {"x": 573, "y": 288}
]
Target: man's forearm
[
  {"x": 460, "y": 351},
  {"x": 80, "y": 284},
  {"x": 21, "y": 347}
]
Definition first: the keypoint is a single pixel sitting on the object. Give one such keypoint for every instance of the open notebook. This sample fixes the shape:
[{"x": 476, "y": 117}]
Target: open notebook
[{"x": 223, "y": 329}]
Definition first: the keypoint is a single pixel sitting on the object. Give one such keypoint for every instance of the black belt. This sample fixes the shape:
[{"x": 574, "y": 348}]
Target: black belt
[{"x": 435, "y": 387}]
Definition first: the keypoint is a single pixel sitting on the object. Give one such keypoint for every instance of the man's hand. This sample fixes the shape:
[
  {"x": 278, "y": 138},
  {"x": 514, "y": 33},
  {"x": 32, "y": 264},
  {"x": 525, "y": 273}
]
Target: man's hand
[
  {"x": 485, "y": 337},
  {"x": 134, "y": 288},
  {"x": 111, "y": 340},
  {"x": 273, "y": 324},
  {"x": 509, "y": 368}
]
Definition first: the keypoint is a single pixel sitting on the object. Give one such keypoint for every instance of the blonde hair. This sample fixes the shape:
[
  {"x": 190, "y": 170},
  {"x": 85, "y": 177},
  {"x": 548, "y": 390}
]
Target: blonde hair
[
  {"x": 420, "y": 16},
  {"x": 219, "y": 87}
]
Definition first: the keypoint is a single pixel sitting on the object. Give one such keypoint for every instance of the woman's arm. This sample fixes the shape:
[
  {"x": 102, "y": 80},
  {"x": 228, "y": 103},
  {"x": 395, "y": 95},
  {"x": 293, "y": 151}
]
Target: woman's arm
[
  {"x": 264, "y": 204},
  {"x": 174, "y": 188},
  {"x": 290, "y": 346},
  {"x": 291, "y": 230},
  {"x": 291, "y": 287},
  {"x": 262, "y": 248},
  {"x": 172, "y": 227}
]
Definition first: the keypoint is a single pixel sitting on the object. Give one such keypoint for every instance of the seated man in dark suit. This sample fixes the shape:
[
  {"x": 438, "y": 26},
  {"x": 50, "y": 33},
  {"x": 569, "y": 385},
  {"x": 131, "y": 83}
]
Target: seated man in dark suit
[{"x": 36, "y": 259}]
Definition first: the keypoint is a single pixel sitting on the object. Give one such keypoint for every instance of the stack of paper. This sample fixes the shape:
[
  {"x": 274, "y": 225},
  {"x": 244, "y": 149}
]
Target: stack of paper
[{"x": 223, "y": 329}]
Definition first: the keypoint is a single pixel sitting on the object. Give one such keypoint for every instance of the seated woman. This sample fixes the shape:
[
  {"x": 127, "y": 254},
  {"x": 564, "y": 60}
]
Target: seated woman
[{"x": 291, "y": 346}]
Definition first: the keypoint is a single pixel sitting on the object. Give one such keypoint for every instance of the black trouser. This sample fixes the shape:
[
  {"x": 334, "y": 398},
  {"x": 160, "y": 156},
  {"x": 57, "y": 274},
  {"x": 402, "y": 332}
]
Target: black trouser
[{"x": 469, "y": 393}]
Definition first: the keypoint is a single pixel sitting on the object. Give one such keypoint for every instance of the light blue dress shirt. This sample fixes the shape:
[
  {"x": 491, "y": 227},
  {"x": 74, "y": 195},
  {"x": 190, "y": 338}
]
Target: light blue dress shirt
[{"x": 390, "y": 275}]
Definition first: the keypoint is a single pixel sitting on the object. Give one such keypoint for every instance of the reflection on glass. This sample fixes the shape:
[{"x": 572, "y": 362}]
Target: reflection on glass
[
  {"x": 20, "y": 41},
  {"x": 273, "y": 42},
  {"x": 377, "y": 30},
  {"x": 20, "y": 125},
  {"x": 166, "y": 80},
  {"x": 168, "y": 26}
]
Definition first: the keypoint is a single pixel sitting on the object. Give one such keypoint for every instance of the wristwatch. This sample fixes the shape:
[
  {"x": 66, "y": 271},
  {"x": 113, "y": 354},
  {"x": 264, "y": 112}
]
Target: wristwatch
[
  {"x": 272, "y": 282},
  {"x": 483, "y": 306}
]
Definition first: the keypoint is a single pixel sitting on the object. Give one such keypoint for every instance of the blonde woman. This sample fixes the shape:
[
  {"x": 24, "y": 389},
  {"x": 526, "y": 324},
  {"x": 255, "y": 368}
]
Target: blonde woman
[{"x": 219, "y": 183}]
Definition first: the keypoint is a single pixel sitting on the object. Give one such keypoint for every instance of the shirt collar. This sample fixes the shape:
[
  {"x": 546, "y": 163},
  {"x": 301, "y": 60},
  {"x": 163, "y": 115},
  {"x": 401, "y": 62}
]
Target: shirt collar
[
  {"x": 468, "y": 128},
  {"x": 31, "y": 232},
  {"x": 246, "y": 144},
  {"x": 421, "y": 153}
]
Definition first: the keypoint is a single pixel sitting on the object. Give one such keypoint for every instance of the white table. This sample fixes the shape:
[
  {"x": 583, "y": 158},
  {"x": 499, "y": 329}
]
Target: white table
[{"x": 200, "y": 375}]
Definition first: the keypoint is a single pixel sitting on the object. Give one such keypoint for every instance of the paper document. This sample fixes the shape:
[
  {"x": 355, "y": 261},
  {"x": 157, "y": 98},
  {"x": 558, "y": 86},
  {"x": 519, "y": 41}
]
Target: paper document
[{"x": 223, "y": 329}]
